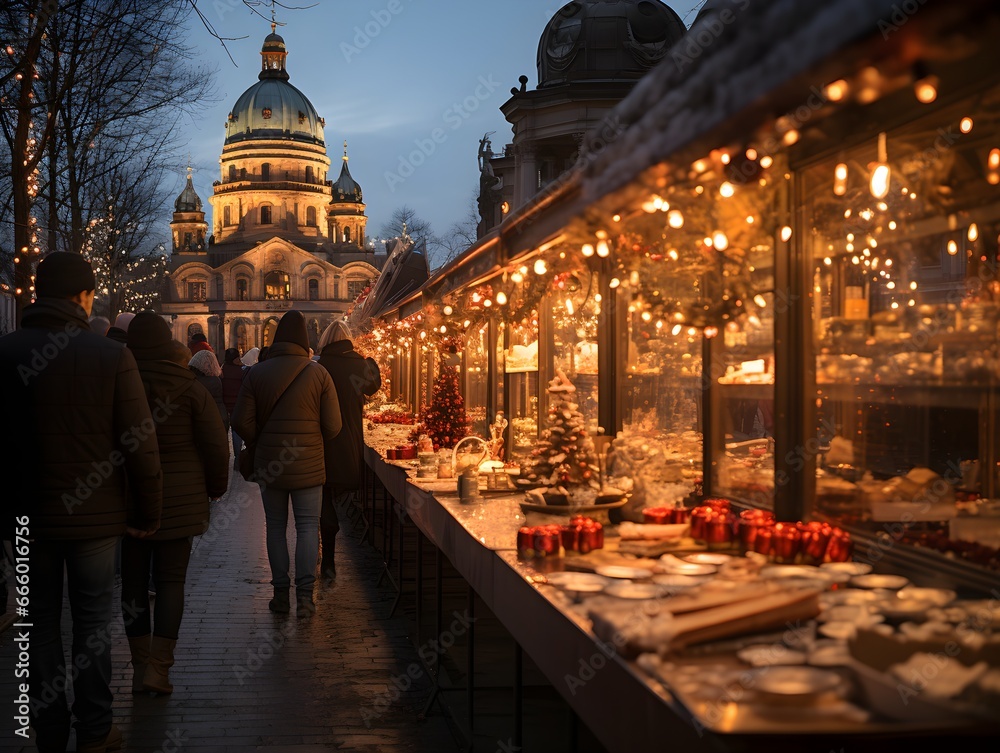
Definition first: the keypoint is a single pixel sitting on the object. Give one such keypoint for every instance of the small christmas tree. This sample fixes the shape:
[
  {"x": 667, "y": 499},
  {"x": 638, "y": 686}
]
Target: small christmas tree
[
  {"x": 564, "y": 457},
  {"x": 444, "y": 421}
]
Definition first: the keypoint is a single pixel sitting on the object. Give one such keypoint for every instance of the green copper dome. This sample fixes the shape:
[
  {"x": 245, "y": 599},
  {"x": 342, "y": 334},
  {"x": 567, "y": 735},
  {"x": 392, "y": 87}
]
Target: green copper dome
[{"x": 273, "y": 108}]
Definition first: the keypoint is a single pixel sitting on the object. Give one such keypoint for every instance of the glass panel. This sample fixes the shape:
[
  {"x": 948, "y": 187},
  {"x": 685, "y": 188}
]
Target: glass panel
[
  {"x": 520, "y": 359},
  {"x": 905, "y": 326},
  {"x": 475, "y": 382},
  {"x": 574, "y": 308}
]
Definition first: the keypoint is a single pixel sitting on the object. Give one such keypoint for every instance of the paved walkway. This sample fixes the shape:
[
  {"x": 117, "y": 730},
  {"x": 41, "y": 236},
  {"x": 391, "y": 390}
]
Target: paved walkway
[{"x": 247, "y": 680}]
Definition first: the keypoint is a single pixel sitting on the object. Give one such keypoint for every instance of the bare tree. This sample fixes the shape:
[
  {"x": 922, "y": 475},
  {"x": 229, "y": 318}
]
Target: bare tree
[
  {"x": 461, "y": 235},
  {"x": 405, "y": 221}
]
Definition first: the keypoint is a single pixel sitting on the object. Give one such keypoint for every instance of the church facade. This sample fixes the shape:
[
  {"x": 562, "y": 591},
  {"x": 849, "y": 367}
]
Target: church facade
[{"x": 283, "y": 235}]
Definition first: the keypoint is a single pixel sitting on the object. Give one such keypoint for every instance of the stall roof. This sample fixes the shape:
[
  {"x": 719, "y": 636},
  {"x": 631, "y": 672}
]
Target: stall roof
[{"x": 747, "y": 63}]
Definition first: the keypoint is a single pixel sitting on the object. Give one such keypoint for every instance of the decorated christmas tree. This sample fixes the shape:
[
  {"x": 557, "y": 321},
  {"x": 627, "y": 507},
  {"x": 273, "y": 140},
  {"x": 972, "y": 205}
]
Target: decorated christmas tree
[
  {"x": 444, "y": 421},
  {"x": 564, "y": 457}
]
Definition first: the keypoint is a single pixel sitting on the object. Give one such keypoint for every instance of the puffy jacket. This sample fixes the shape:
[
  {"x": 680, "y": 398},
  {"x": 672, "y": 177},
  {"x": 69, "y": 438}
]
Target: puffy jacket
[
  {"x": 355, "y": 377},
  {"x": 78, "y": 429},
  {"x": 289, "y": 451},
  {"x": 194, "y": 448},
  {"x": 214, "y": 386},
  {"x": 232, "y": 380}
]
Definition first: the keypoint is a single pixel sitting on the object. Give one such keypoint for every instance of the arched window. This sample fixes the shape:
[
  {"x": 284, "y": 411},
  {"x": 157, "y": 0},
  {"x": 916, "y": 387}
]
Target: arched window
[
  {"x": 309, "y": 174},
  {"x": 242, "y": 289},
  {"x": 227, "y": 216},
  {"x": 194, "y": 329},
  {"x": 277, "y": 286},
  {"x": 232, "y": 172},
  {"x": 311, "y": 216},
  {"x": 265, "y": 172},
  {"x": 265, "y": 215},
  {"x": 347, "y": 235},
  {"x": 313, "y": 289}
]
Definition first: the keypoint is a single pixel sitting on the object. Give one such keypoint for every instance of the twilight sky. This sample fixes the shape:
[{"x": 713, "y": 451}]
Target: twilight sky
[{"x": 385, "y": 74}]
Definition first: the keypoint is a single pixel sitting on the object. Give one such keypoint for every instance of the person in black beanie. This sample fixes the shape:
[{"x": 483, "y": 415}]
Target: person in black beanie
[
  {"x": 194, "y": 450},
  {"x": 287, "y": 408},
  {"x": 79, "y": 408}
]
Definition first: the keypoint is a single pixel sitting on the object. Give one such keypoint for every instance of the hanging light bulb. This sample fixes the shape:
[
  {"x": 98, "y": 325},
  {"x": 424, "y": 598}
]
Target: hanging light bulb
[
  {"x": 675, "y": 219},
  {"x": 786, "y": 233},
  {"x": 540, "y": 267},
  {"x": 602, "y": 249},
  {"x": 448, "y": 310},
  {"x": 879, "y": 184},
  {"x": 501, "y": 298},
  {"x": 926, "y": 86},
  {"x": 727, "y": 189},
  {"x": 836, "y": 90},
  {"x": 676, "y": 330},
  {"x": 965, "y": 125},
  {"x": 614, "y": 282},
  {"x": 840, "y": 179},
  {"x": 973, "y": 234},
  {"x": 517, "y": 278},
  {"x": 993, "y": 167},
  {"x": 720, "y": 241},
  {"x": 569, "y": 307},
  {"x": 587, "y": 249}
]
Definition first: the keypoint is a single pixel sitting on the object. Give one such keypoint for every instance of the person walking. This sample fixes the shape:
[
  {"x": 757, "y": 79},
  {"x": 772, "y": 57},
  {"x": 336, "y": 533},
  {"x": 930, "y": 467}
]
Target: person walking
[
  {"x": 286, "y": 410},
  {"x": 194, "y": 452},
  {"x": 232, "y": 379},
  {"x": 355, "y": 378},
  {"x": 209, "y": 375},
  {"x": 77, "y": 432}
]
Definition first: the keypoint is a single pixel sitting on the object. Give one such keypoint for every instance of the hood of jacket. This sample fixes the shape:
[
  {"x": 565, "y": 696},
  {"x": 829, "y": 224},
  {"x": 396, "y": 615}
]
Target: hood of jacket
[
  {"x": 54, "y": 313},
  {"x": 165, "y": 380}
]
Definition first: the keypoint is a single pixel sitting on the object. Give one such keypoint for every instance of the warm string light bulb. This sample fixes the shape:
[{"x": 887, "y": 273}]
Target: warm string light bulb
[
  {"x": 840, "y": 179},
  {"x": 879, "y": 184}
]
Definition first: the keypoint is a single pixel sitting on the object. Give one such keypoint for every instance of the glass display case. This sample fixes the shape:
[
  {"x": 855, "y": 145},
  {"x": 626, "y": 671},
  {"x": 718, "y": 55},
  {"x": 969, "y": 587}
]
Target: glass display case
[
  {"x": 904, "y": 232},
  {"x": 520, "y": 385},
  {"x": 573, "y": 303},
  {"x": 475, "y": 377}
]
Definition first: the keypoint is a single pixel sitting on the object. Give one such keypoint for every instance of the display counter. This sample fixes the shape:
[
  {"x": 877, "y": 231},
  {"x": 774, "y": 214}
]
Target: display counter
[{"x": 600, "y": 647}]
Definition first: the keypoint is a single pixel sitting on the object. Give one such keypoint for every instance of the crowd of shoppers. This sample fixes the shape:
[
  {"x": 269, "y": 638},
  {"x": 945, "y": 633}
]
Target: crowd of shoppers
[{"x": 152, "y": 415}]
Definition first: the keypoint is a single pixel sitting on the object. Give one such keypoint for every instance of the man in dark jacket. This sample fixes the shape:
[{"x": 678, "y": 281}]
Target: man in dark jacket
[
  {"x": 288, "y": 460},
  {"x": 355, "y": 378},
  {"x": 79, "y": 428},
  {"x": 232, "y": 379}
]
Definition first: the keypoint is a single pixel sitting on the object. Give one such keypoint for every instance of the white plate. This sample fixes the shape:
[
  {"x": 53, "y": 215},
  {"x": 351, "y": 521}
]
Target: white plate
[
  {"x": 797, "y": 682},
  {"x": 707, "y": 558},
  {"x": 851, "y": 568},
  {"x": 620, "y": 571},
  {"x": 625, "y": 589},
  {"x": 939, "y": 597},
  {"x": 579, "y": 582},
  {"x": 830, "y": 654},
  {"x": 670, "y": 582},
  {"x": 856, "y": 613},
  {"x": 770, "y": 655},
  {"x": 839, "y": 630},
  {"x": 876, "y": 580},
  {"x": 790, "y": 571},
  {"x": 676, "y": 566}
]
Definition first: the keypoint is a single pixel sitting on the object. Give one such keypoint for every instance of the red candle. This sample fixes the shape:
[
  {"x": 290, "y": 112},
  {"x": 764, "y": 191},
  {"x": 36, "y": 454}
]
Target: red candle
[
  {"x": 699, "y": 519},
  {"x": 719, "y": 530},
  {"x": 815, "y": 538},
  {"x": 786, "y": 543},
  {"x": 717, "y": 503},
  {"x": 751, "y": 521},
  {"x": 680, "y": 514},
  {"x": 658, "y": 515},
  {"x": 764, "y": 539},
  {"x": 526, "y": 540},
  {"x": 840, "y": 547}
]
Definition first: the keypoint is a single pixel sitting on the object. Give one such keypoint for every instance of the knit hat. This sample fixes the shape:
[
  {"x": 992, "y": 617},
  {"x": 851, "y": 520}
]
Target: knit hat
[
  {"x": 292, "y": 329},
  {"x": 63, "y": 274},
  {"x": 149, "y": 337},
  {"x": 206, "y": 363}
]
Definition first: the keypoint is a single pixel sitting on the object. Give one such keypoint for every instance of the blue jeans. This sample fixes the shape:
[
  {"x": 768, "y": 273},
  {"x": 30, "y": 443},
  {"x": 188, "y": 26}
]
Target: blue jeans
[
  {"x": 306, "y": 505},
  {"x": 89, "y": 568}
]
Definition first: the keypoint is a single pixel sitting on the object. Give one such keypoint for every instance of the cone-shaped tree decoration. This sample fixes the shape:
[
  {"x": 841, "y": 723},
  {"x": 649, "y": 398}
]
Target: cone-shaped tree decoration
[
  {"x": 564, "y": 456},
  {"x": 444, "y": 421}
]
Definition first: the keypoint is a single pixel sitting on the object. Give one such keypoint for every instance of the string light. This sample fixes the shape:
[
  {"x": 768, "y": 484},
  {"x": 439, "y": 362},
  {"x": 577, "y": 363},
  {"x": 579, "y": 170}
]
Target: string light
[{"x": 879, "y": 184}]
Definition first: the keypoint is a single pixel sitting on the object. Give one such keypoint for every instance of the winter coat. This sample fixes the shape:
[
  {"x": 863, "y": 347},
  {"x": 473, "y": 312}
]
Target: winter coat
[
  {"x": 117, "y": 334},
  {"x": 77, "y": 429},
  {"x": 194, "y": 448},
  {"x": 214, "y": 386},
  {"x": 290, "y": 447},
  {"x": 355, "y": 377},
  {"x": 232, "y": 380}
]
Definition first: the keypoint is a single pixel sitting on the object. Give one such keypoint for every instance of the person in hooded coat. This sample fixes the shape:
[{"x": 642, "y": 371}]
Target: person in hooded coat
[
  {"x": 209, "y": 374},
  {"x": 288, "y": 409},
  {"x": 119, "y": 330},
  {"x": 355, "y": 378},
  {"x": 194, "y": 452},
  {"x": 233, "y": 370}
]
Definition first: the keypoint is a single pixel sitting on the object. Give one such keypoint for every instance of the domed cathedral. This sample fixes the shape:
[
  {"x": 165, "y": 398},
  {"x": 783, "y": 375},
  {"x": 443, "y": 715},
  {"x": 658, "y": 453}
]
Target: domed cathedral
[
  {"x": 590, "y": 55},
  {"x": 283, "y": 235}
]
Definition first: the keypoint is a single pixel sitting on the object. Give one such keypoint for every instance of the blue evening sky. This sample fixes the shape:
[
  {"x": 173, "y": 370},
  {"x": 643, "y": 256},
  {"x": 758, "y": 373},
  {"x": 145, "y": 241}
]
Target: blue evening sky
[{"x": 385, "y": 74}]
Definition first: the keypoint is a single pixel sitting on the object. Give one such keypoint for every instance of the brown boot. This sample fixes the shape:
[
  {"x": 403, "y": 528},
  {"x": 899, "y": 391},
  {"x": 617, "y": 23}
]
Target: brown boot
[
  {"x": 304, "y": 604},
  {"x": 139, "y": 646},
  {"x": 113, "y": 741},
  {"x": 161, "y": 659}
]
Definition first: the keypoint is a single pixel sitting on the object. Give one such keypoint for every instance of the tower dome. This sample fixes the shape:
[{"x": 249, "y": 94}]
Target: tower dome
[
  {"x": 602, "y": 40},
  {"x": 273, "y": 108},
  {"x": 188, "y": 200},
  {"x": 346, "y": 188}
]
